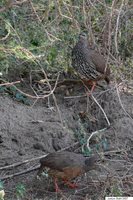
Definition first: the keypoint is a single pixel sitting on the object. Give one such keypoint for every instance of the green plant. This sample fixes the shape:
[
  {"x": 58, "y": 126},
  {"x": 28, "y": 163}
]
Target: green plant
[
  {"x": 20, "y": 191},
  {"x": 116, "y": 191},
  {"x": 2, "y": 192},
  {"x": 44, "y": 32}
]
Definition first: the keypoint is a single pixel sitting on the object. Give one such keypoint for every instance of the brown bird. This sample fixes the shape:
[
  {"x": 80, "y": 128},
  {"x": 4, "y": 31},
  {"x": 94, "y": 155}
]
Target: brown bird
[
  {"x": 66, "y": 166},
  {"x": 89, "y": 64}
]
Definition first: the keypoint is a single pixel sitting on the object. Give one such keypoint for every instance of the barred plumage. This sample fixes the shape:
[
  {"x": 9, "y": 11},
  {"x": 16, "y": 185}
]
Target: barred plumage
[{"x": 89, "y": 64}]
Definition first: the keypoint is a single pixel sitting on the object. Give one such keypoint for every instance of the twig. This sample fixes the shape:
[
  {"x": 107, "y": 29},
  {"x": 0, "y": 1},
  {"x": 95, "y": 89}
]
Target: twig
[
  {"x": 92, "y": 134},
  {"x": 109, "y": 31},
  {"x": 34, "y": 10},
  {"x": 9, "y": 84},
  {"x": 117, "y": 26},
  {"x": 6, "y": 36},
  {"x": 49, "y": 35},
  {"x": 10, "y": 4},
  {"x": 108, "y": 122},
  {"x": 34, "y": 97},
  {"x": 22, "y": 162},
  {"x": 33, "y": 159},
  {"x": 19, "y": 173},
  {"x": 39, "y": 96},
  {"x": 60, "y": 12},
  {"x": 54, "y": 98},
  {"x": 118, "y": 94},
  {"x": 74, "y": 97}
]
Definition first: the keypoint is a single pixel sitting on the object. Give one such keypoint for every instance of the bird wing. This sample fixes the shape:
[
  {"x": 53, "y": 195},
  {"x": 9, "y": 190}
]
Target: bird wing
[
  {"x": 72, "y": 172},
  {"x": 61, "y": 160},
  {"x": 99, "y": 62}
]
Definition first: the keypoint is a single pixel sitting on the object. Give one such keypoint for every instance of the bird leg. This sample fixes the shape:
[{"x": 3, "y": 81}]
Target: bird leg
[
  {"x": 93, "y": 83},
  {"x": 57, "y": 189},
  {"x": 93, "y": 86},
  {"x": 88, "y": 83},
  {"x": 70, "y": 185}
]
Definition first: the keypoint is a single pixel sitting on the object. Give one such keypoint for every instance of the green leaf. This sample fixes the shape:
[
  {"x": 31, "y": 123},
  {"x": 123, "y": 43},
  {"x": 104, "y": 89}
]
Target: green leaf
[
  {"x": 20, "y": 190},
  {"x": 1, "y": 185},
  {"x": 2, "y": 88},
  {"x": 105, "y": 145}
]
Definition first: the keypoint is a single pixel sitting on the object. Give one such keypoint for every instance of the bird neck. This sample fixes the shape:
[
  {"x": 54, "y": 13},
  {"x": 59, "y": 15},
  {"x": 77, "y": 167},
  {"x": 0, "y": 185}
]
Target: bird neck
[
  {"x": 83, "y": 43},
  {"x": 90, "y": 163}
]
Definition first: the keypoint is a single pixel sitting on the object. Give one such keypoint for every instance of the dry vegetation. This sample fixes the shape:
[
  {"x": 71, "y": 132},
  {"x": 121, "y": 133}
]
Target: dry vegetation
[
  {"x": 45, "y": 31},
  {"x": 36, "y": 37}
]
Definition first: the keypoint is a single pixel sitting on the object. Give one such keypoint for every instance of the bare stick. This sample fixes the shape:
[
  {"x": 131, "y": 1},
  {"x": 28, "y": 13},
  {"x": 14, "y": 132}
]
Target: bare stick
[
  {"x": 117, "y": 26},
  {"x": 118, "y": 94},
  {"x": 75, "y": 97},
  {"x": 22, "y": 162},
  {"x": 33, "y": 159},
  {"x": 54, "y": 98},
  {"x": 19, "y": 173},
  {"x": 9, "y": 84},
  {"x": 92, "y": 134},
  {"x": 108, "y": 122},
  {"x": 39, "y": 96}
]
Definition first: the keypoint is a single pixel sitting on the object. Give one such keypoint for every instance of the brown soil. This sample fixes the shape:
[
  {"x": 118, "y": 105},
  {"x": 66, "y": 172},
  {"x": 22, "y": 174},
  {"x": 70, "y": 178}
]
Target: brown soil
[{"x": 28, "y": 132}]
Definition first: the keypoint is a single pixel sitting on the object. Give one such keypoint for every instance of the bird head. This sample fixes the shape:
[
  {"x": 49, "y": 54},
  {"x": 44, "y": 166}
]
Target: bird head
[
  {"x": 83, "y": 39},
  {"x": 83, "y": 36},
  {"x": 92, "y": 162}
]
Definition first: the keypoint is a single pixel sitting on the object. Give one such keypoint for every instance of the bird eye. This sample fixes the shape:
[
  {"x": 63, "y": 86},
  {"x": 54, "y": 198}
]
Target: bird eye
[{"x": 83, "y": 35}]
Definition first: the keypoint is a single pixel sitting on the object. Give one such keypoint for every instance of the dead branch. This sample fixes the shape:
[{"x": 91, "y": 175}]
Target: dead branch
[
  {"x": 22, "y": 162},
  {"x": 9, "y": 84},
  {"x": 117, "y": 26},
  {"x": 108, "y": 122},
  {"x": 39, "y": 96},
  {"x": 34, "y": 159},
  {"x": 118, "y": 94},
  {"x": 92, "y": 134},
  {"x": 19, "y": 173}
]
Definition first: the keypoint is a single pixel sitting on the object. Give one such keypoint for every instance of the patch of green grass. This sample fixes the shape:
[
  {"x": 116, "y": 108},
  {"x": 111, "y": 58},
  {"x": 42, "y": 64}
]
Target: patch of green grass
[{"x": 20, "y": 191}]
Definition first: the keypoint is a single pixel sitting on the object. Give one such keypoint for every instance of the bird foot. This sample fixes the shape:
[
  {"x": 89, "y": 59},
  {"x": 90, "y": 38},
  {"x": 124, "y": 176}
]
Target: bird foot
[
  {"x": 92, "y": 89},
  {"x": 87, "y": 82},
  {"x": 71, "y": 185},
  {"x": 57, "y": 190}
]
